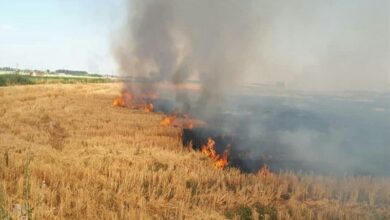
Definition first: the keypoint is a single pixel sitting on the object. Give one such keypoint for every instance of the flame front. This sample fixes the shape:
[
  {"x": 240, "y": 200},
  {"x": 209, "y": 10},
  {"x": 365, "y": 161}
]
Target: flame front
[
  {"x": 222, "y": 162},
  {"x": 208, "y": 149},
  {"x": 149, "y": 107},
  {"x": 183, "y": 121},
  {"x": 123, "y": 100},
  {"x": 143, "y": 101},
  {"x": 168, "y": 120}
]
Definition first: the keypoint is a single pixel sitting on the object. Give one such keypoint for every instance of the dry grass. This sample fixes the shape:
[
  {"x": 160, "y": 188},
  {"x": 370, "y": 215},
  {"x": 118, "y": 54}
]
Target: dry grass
[{"x": 66, "y": 153}]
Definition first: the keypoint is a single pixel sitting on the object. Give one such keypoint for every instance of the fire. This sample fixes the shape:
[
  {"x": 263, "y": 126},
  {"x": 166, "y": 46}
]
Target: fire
[
  {"x": 168, "y": 120},
  {"x": 143, "y": 101},
  {"x": 208, "y": 149},
  {"x": 222, "y": 162},
  {"x": 182, "y": 121},
  {"x": 123, "y": 100},
  {"x": 149, "y": 107}
]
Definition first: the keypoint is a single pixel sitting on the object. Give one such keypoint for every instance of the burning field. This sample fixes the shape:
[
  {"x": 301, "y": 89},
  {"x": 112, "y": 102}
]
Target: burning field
[
  {"x": 273, "y": 131},
  {"x": 201, "y": 63},
  {"x": 77, "y": 152},
  {"x": 220, "y": 114}
]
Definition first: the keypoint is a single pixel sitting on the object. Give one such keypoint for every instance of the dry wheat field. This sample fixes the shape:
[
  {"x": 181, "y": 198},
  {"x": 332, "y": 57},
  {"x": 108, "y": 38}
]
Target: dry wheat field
[{"x": 67, "y": 153}]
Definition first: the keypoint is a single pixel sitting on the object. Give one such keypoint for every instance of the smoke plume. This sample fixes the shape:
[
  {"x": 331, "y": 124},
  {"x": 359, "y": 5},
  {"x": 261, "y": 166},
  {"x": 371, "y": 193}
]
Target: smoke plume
[
  {"x": 314, "y": 45},
  {"x": 174, "y": 41}
]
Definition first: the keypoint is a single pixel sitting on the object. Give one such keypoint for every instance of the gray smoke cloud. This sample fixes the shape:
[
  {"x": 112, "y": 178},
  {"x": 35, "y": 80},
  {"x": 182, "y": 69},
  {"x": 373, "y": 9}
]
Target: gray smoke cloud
[
  {"x": 314, "y": 45},
  {"x": 305, "y": 44},
  {"x": 176, "y": 40},
  {"x": 325, "y": 45}
]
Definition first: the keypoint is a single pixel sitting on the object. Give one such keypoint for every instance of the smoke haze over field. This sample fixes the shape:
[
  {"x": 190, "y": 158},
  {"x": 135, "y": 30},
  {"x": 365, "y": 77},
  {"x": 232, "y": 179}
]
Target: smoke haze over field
[
  {"x": 327, "y": 45},
  {"x": 322, "y": 45},
  {"x": 311, "y": 45},
  {"x": 174, "y": 41}
]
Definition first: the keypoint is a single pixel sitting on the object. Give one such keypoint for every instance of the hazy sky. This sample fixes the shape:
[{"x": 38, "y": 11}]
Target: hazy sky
[
  {"x": 304, "y": 43},
  {"x": 53, "y": 34},
  {"x": 325, "y": 44}
]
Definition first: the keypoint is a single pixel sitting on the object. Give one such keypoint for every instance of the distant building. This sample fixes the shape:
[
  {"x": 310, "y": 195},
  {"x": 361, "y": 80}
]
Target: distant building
[{"x": 37, "y": 73}]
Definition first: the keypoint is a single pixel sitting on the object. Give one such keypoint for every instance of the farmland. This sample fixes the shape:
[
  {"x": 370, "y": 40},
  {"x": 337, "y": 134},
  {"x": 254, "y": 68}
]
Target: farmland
[
  {"x": 67, "y": 153},
  {"x": 16, "y": 79}
]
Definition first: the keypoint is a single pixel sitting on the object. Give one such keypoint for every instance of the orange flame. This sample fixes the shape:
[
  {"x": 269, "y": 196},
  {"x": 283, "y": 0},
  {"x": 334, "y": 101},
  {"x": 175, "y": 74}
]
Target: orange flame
[
  {"x": 168, "y": 120},
  {"x": 222, "y": 162},
  {"x": 123, "y": 100},
  {"x": 183, "y": 121},
  {"x": 126, "y": 99},
  {"x": 149, "y": 107},
  {"x": 118, "y": 102},
  {"x": 208, "y": 149}
]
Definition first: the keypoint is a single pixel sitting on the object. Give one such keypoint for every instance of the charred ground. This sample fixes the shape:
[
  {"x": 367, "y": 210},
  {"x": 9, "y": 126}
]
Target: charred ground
[{"x": 333, "y": 134}]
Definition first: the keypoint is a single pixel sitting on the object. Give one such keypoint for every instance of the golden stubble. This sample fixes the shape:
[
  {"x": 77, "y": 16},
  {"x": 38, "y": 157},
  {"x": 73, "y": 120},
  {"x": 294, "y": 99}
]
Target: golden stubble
[{"x": 67, "y": 153}]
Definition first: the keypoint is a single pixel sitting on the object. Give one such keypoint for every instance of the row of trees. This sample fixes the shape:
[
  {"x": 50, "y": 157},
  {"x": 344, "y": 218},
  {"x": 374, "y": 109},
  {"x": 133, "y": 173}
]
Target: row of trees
[
  {"x": 7, "y": 69},
  {"x": 60, "y": 71},
  {"x": 72, "y": 72}
]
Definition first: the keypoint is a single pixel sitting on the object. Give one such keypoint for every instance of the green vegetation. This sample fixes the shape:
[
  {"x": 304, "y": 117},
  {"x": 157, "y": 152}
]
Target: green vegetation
[
  {"x": 15, "y": 79},
  {"x": 73, "y": 72},
  {"x": 266, "y": 212},
  {"x": 243, "y": 212},
  {"x": 3, "y": 208}
]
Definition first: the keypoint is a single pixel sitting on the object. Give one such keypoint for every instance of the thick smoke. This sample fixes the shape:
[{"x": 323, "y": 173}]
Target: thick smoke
[
  {"x": 314, "y": 45},
  {"x": 176, "y": 40},
  {"x": 305, "y": 44}
]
